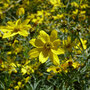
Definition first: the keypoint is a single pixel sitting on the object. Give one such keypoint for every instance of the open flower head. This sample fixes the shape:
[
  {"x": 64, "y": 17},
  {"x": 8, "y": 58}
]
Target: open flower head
[
  {"x": 81, "y": 45},
  {"x": 46, "y": 47},
  {"x": 55, "y": 69},
  {"x": 68, "y": 44},
  {"x": 16, "y": 27}
]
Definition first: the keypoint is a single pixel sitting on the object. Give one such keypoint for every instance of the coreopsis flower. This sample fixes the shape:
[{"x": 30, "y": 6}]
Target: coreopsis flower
[
  {"x": 74, "y": 4},
  {"x": 81, "y": 45},
  {"x": 46, "y": 47},
  {"x": 16, "y": 27},
  {"x": 70, "y": 63},
  {"x": 55, "y": 2},
  {"x": 55, "y": 69},
  {"x": 20, "y": 11},
  {"x": 58, "y": 16},
  {"x": 68, "y": 44}
]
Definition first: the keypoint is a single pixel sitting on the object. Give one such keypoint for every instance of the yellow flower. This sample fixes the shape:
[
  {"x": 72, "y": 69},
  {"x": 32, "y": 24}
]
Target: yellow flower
[
  {"x": 19, "y": 84},
  {"x": 84, "y": 6},
  {"x": 55, "y": 2},
  {"x": 46, "y": 47},
  {"x": 76, "y": 65},
  {"x": 16, "y": 87},
  {"x": 26, "y": 69},
  {"x": 64, "y": 30},
  {"x": 55, "y": 69},
  {"x": 20, "y": 11},
  {"x": 75, "y": 12},
  {"x": 27, "y": 79},
  {"x": 69, "y": 63},
  {"x": 58, "y": 16},
  {"x": 80, "y": 45},
  {"x": 16, "y": 27},
  {"x": 67, "y": 44},
  {"x": 83, "y": 43},
  {"x": 74, "y": 4}
]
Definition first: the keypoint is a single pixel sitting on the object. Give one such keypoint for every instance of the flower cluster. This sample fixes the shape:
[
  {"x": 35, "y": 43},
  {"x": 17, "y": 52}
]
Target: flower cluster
[{"x": 44, "y": 44}]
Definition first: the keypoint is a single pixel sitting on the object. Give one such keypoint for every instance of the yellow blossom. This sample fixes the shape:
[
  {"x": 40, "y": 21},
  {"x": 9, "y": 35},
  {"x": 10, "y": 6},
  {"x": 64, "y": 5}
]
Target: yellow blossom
[
  {"x": 16, "y": 27},
  {"x": 19, "y": 84},
  {"x": 80, "y": 45},
  {"x": 75, "y": 12},
  {"x": 27, "y": 79},
  {"x": 68, "y": 44},
  {"x": 55, "y": 2},
  {"x": 16, "y": 87},
  {"x": 55, "y": 69},
  {"x": 74, "y": 4},
  {"x": 46, "y": 47},
  {"x": 20, "y": 11},
  {"x": 76, "y": 65},
  {"x": 58, "y": 16}
]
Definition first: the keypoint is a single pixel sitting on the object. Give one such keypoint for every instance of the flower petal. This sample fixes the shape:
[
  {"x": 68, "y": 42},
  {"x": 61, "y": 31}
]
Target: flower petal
[
  {"x": 54, "y": 58},
  {"x": 44, "y": 36},
  {"x": 18, "y": 22},
  {"x": 34, "y": 53},
  {"x": 56, "y": 43},
  {"x": 53, "y": 35},
  {"x": 43, "y": 57},
  {"x": 23, "y": 33},
  {"x": 58, "y": 51},
  {"x": 26, "y": 21},
  {"x": 32, "y": 42},
  {"x": 9, "y": 34},
  {"x": 39, "y": 43}
]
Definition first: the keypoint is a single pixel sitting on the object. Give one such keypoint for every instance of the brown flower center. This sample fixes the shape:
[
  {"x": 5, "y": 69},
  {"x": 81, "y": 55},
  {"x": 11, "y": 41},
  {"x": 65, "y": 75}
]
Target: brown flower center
[
  {"x": 48, "y": 45},
  {"x": 16, "y": 30},
  {"x": 68, "y": 46},
  {"x": 57, "y": 69},
  {"x": 70, "y": 63}
]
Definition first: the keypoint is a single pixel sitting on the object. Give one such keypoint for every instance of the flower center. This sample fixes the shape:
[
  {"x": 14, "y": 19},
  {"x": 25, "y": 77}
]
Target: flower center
[
  {"x": 16, "y": 29},
  {"x": 57, "y": 69},
  {"x": 48, "y": 45},
  {"x": 70, "y": 63}
]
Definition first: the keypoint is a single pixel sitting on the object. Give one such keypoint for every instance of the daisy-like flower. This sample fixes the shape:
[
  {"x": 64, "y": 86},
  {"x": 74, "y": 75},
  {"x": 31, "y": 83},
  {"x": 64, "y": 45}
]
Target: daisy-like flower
[
  {"x": 55, "y": 69},
  {"x": 68, "y": 44},
  {"x": 81, "y": 45},
  {"x": 16, "y": 27},
  {"x": 46, "y": 47}
]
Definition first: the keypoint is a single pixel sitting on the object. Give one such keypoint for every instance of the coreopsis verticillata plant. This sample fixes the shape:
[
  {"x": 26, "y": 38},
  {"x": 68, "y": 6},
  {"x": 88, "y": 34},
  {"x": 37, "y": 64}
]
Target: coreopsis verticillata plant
[
  {"x": 64, "y": 66},
  {"x": 46, "y": 47},
  {"x": 16, "y": 27}
]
